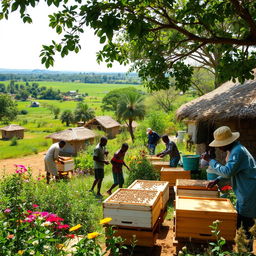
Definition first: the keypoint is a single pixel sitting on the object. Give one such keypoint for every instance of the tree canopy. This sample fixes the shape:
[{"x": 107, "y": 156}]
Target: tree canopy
[
  {"x": 8, "y": 109},
  {"x": 160, "y": 38}
]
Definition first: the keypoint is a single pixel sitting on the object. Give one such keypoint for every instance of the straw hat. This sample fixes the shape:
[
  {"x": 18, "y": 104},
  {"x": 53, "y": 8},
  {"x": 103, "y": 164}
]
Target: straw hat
[{"x": 223, "y": 136}]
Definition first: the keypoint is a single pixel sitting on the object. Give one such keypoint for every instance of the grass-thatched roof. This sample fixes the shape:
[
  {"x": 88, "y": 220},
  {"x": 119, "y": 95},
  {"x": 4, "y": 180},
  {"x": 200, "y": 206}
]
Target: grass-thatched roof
[
  {"x": 105, "y": 121},
  {"x": 229, "y": 101},
  {"x": 12, "y": 127},
  {"x": 73, "y": 134}
]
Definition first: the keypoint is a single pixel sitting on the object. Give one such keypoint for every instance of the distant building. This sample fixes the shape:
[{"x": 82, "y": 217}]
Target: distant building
[
  {"x": 104, "y": 123},
  {"x": 34, "y": 104},
  {"x": 76, "y": 139},
  {"x": 12, "y": 130}
]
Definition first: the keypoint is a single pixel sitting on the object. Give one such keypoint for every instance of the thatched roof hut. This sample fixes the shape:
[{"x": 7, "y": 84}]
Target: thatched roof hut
[
  {"x": 231, "y": 104},
  {"x": 12, "y": 130},
  {"x": 76, "y": 138},
  {"x": 104, "y": 123}
]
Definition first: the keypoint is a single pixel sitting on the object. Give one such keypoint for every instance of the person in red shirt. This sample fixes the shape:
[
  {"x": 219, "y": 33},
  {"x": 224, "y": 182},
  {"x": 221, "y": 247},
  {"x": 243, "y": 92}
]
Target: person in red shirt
[{"x": 117, "y": 163}]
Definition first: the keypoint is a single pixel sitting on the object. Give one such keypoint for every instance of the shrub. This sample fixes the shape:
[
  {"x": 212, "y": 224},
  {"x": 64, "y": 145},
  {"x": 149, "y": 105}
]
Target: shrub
[
  {"x": 141, "y": 169},
  {"x": 23, "y": 112},
  {"x": 14, "y": 141}
]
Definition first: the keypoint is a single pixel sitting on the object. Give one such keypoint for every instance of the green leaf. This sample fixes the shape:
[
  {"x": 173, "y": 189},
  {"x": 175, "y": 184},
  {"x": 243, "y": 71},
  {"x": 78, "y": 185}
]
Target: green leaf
[{"x": 102, "y": 39}]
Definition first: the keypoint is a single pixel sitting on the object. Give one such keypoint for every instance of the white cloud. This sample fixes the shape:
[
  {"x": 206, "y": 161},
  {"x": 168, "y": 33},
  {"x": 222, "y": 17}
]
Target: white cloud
[{"x": 21, "y": 43}]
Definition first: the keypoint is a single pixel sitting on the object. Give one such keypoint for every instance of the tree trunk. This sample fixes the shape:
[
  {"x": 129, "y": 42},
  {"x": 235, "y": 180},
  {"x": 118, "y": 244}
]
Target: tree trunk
[{"x": 130, "y": 129}]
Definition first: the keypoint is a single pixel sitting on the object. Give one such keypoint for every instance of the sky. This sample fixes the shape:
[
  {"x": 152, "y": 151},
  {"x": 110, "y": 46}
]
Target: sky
[{"x": 21, "y": 43}]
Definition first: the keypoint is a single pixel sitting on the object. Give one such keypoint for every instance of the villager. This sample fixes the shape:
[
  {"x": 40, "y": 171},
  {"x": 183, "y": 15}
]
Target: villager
[
  {"x": 241, "y": 168},
  {"x": 171, "y": 150},
  {"x": 153, "y": 139},
  {"x": 99, "y": 162},
  {"x": 117, "y": 163},
  {"x": 51, "y": 156}
]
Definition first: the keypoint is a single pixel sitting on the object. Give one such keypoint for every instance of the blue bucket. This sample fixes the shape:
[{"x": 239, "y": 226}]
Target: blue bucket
[{"x": 190, "y": 162}]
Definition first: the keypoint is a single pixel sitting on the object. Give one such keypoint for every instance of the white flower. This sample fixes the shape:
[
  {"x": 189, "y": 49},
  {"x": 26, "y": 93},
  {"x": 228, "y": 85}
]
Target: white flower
[
  {"x": 32, "y": 252},
  {"x": 35, "y": 242},
  {"x": 46, "y": 224},
  {"x": 46, "y": 247}
]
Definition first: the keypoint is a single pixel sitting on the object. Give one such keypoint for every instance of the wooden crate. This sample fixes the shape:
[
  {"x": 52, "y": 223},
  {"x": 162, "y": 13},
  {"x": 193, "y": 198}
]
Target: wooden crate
[
  {"x": 158, "y": 165},
  {"x": 66, "y": 165},
  {"x": 133, "y": 208},
  {"x": 194, "y": 215},
  {"x": 171, "y": 174},
  {"x": 161, "y": 186},
  {"x": 197, "y": 188}
]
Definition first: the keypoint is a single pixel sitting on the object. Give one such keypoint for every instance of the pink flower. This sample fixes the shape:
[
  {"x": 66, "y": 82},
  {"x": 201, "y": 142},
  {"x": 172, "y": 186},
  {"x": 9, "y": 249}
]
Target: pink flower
[
  {"x": 64, "y": 226},
  {"x": 35, "y": 205},
  {"x": 226, "y": 188},
  {"x": 44, "y": 214},
  {"x": 7, "y": 210},
  {"x": 29, "y": 211},
  {"x": 54, "y": 219}
]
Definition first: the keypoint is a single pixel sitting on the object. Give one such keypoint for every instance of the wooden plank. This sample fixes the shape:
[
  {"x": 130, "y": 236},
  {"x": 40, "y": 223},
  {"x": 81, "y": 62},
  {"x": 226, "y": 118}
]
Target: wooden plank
[
  {"x": 154, "y": 158},
  {"x": 158, "y": 165},
  {"x": 197, "y": 193},
  {"x": 172, "y": 174}
]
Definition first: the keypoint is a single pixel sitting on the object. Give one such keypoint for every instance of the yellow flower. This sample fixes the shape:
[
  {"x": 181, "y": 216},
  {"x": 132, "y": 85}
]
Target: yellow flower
[
  {"x": 93, "y": 235},
  {"x": 60, "y": 246},
  {"x": 75, "y": 227},
  {"x": 133, "y": 157},
  {"x": 105, "y": 221},
  {"x": 20, "y": 252}
]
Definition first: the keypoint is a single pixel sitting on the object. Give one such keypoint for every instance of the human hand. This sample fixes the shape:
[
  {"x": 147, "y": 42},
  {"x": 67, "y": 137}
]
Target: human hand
[
  {"x": 211, "y": 184},
  {"x": 106, "y": 162},
  {"x": 206, "y": 156}
]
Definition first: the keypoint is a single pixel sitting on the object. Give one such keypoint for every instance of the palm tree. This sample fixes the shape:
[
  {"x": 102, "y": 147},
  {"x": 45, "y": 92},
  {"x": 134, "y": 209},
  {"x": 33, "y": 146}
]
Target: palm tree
[
  {"x": 131, "y": 108},
  {"x": 83, "y": 112},
  {"x": 67, "y": 117}
]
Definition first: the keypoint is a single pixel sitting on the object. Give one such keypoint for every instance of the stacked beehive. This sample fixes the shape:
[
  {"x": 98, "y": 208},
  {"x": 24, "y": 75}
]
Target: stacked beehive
[
  {"x": 138, "y": 210},
  {"x": 197, "y": 207}
]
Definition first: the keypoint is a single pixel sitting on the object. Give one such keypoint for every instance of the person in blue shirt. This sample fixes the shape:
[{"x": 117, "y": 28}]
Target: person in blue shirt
[
  {"x": 241, "y": 168},
  {"x": 153, "y": 138}
]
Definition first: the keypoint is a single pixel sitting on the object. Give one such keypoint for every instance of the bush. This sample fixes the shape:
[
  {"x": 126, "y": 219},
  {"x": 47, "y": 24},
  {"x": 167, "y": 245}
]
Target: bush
[
  {"x": 84, "y": 161},
  {"x": 23, "y": 112},
  {"x": 141, "y": 169},
  {"x": 14, "y": 141}
]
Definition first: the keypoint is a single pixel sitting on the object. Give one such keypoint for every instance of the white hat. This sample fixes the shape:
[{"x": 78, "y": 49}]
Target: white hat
[
  {"x": 148, "y": 130},
  {"x": 223, "y": 137}
]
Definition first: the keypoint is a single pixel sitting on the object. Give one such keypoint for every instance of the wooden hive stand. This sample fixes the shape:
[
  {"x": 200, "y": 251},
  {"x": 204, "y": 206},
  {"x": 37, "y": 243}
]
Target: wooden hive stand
[
  {"x": 197, "y": 188},
  {"x": 194, "y": 215}
]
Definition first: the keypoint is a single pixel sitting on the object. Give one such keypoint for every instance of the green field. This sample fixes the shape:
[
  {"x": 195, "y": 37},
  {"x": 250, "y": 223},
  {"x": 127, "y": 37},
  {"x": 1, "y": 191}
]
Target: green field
[
  {"x": 97, "y": 90},
  {"x": 39, "y": 122}
]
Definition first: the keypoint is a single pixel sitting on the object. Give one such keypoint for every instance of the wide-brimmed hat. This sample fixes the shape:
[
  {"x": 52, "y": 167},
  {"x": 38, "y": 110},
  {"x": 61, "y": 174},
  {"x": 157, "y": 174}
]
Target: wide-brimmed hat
[{"x": 224, "y": 136}]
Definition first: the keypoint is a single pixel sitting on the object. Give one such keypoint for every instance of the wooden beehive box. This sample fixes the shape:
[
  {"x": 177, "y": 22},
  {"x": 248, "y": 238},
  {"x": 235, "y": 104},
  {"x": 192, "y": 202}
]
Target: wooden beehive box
[
  {"x": 171, "y": 174},
  {"x": 133, "y": 208},
  {"x": 197, "y": 188},
  {"x": 161, "y": 186},
  {"x": 154, "y": 158},
  {"x": 158, "y": 165},
  {"x": 194, "y": 215},
  {"x": 67, "y": 165}
]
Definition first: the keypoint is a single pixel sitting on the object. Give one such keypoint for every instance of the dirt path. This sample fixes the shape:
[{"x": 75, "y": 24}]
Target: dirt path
[{"x": 35, "y": 162}]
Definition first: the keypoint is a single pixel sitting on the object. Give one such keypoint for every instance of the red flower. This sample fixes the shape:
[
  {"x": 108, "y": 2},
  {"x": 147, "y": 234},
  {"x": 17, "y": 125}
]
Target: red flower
[
  {"x": 226, "y": 188},
  {"x": 70, "y": 236},
  {"x": 35, "y": 205},
  {"x": 64, "y": 226}
]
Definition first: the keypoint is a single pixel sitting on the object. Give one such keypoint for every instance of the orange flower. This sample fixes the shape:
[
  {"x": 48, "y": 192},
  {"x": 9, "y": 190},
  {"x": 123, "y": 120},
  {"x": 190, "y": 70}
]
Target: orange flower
[
  {"x": 93, "y": 235},
  {"x": 60, "y": 246},
  {"x": 11, "y": 236},
  {"x": 105, "y": 221},
  {"x": 75, "y": 227}
]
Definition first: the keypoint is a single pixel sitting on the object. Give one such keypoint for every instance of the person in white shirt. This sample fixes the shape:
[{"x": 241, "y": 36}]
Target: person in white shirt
[{"x": 49, "y": 160}]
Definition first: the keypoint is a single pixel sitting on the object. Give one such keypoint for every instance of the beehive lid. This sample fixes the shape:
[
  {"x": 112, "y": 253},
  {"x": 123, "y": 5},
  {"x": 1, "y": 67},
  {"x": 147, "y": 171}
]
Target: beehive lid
[
  {"x": 194, "y": 184},
  {"x": 149, "y": 185},
  {"x": 204, "y": 204},
  {"x": 126, "y": 197},
  {"x": 160, "y": 163},
  {"x": 153, "y": 157},
  {"x": 173, "y": 169}
]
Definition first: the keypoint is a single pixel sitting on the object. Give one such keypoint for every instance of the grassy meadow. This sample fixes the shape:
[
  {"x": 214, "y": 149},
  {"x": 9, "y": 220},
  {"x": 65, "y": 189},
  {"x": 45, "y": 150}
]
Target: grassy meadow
[{"x": 39, "y": 122}]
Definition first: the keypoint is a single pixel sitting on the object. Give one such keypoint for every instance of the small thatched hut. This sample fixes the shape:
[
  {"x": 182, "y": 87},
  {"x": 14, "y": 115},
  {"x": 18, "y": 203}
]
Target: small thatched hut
[
  {"x": 12, "y": 130},
  {"x": 231, "y": 104},
  {"x": 104, "y": 123},
  {"x": 76, "y": 139}
]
